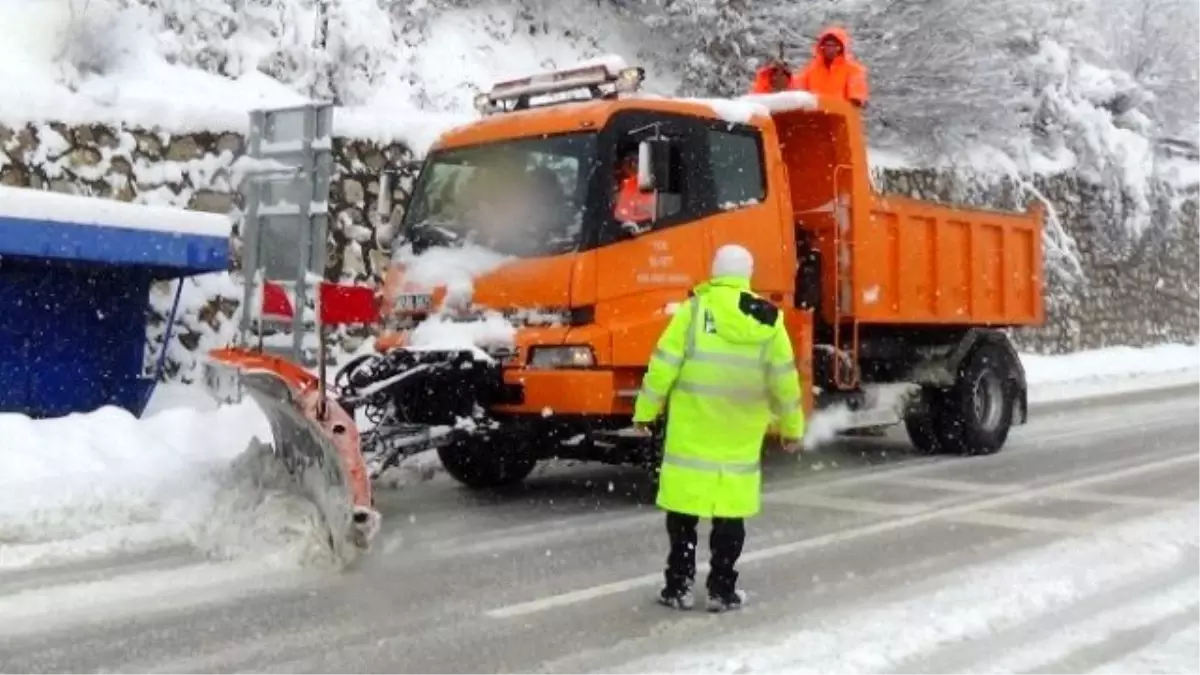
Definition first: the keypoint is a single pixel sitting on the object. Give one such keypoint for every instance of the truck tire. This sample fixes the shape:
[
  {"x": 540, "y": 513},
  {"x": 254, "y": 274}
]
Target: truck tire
[
  {"x": 925, "y": 428},
  {"x": 481, "y": 462},
  {"x": 974, "y": 416}
]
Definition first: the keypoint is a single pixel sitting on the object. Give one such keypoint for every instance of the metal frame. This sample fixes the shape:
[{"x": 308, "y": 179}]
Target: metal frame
[{"x": 291, "y": 197}]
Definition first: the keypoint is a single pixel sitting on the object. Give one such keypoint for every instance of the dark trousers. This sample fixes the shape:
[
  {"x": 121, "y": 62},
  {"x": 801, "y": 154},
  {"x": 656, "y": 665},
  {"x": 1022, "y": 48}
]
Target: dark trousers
[{"x": 725, "y": 546}]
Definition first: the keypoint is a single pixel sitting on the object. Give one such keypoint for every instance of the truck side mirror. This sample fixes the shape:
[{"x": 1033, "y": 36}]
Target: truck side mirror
[{"x": 654, "y": 165}]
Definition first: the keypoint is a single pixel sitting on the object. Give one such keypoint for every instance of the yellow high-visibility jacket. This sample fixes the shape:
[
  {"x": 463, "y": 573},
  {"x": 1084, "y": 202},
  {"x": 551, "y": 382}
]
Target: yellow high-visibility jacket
[{"x": 723, "y": 369}]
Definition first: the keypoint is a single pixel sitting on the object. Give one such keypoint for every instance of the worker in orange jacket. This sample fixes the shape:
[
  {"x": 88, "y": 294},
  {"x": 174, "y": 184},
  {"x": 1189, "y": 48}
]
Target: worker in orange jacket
[
  {"x": 632, "y": 205},
  {"x": 832, "y": 72}
]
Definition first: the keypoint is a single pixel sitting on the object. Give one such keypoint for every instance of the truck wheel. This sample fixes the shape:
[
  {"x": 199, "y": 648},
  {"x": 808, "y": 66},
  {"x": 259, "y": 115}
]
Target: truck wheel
[
  {"x": 974, "y": 416},
  {"x": 487, "y": 462},
  {"x": 979, "y": 411},
  {"x": 922, "y": 433}
]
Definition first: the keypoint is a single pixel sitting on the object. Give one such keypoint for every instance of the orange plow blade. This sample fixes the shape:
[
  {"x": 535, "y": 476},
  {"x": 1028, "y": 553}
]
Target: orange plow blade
[{"x": 316, "y": 440}]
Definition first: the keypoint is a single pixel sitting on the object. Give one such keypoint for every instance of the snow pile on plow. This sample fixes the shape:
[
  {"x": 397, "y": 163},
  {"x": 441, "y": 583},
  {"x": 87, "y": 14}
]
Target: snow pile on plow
[{"x": 106, "y": 483}]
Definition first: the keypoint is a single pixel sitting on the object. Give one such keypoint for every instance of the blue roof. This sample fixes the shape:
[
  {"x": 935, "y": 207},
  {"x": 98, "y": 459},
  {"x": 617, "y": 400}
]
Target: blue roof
[{"x": 172, "y": 242}]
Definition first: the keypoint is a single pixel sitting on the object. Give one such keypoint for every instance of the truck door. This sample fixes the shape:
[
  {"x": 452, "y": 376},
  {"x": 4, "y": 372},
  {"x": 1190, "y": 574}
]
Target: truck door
[{"x": 646, "y": 266}]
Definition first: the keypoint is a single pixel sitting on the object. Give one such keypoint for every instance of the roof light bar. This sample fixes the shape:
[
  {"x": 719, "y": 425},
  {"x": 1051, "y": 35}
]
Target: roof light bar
[{"x": 625, "y": 80}]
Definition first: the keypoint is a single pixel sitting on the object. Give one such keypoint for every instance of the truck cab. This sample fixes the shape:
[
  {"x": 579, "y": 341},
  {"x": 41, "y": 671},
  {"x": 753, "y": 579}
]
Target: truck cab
[{"x": 546, "y": 245}]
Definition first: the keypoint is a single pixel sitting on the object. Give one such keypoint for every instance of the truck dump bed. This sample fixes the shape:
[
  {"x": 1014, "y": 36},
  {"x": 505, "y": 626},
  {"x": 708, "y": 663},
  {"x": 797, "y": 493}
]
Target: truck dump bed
[
  {"x": 920, "y": 263},
  {"x": 894, "y": 260}
]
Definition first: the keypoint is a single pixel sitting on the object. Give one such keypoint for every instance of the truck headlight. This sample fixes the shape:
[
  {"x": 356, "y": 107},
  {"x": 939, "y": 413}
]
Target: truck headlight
[{"x": 572, "y": 356}]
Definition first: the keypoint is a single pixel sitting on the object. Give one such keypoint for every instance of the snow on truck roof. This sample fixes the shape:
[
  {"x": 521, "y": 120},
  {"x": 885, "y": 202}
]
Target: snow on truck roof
[
  {"x": 40, "y": 223},
  {"x": 742, "y": 109}
]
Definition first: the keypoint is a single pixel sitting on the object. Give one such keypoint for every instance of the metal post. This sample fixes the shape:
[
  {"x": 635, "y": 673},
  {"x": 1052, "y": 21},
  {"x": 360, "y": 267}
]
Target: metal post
[{"x": 251, "y": 233}]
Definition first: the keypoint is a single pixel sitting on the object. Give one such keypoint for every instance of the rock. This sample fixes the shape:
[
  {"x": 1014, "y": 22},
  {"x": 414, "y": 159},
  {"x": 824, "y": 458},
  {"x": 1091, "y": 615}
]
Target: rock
[
  {"x": 27, "y": 140},
  {"x": 84, "y": 156},
  {"x": 379, "y": 262},
  {"x": 184, "y": 149},
  {"x": 353, "y": 265},
  {"x": 65, "y": 187},
  {"x": 231, "y": 143},
  {"x": 353, "y": 193},
  {"x": 211, "y": 201},
  {"x": 14, "y": 175},
  {"x": 374, "y": 159},
  {"x": 148, "y": 145},
  {"x": 120, "y": 166}
]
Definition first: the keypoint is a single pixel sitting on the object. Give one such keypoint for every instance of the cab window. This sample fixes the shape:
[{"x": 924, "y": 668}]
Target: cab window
[
  {"x": 626, "y": 204},
  {"x": 735, "y": 163}
]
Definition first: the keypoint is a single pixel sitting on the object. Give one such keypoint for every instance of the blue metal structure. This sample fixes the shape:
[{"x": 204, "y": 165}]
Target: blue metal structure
[{"x": 75, "y": 275}]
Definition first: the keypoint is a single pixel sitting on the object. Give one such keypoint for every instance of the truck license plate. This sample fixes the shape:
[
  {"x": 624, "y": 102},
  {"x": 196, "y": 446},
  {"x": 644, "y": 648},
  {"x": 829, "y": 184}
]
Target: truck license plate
[{"x": 414, "y": 302}]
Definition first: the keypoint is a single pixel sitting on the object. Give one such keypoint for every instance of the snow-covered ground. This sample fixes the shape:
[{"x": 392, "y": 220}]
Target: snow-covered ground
[
  {"x": 186, "y": 473},
  {"x": 104, "y": 482},
  {"x": 980, "y": 602}
]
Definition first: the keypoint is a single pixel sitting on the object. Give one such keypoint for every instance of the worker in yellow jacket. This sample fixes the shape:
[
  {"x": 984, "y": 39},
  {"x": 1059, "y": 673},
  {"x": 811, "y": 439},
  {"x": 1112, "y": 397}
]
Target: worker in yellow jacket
[{"x": 723, "y": 369}]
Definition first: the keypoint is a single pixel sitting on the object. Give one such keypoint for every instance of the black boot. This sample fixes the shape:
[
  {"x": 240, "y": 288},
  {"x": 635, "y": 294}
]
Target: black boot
[
  {"x": 726, "y": 542},
  {"x": 681, "y": 562}
]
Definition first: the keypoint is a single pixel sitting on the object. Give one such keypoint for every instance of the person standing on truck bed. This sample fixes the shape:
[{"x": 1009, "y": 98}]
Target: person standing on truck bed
[
  {"x": 723, "y": 368},
  {"x": 832, "y": 72}
]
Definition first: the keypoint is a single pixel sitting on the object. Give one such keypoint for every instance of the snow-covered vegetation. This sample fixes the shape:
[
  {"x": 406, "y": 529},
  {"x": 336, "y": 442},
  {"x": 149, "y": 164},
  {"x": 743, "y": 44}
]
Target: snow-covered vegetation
[{"x": 1096, "y": 86}]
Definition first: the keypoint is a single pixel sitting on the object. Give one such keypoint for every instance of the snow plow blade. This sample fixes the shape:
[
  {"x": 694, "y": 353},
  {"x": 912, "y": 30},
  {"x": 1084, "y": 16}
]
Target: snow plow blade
[{"x": 317, "y": 444}]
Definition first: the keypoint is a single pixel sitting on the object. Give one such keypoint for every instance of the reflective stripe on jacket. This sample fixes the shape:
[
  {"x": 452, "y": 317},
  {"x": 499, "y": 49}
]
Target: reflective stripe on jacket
[{"x": 723, "y": 368}]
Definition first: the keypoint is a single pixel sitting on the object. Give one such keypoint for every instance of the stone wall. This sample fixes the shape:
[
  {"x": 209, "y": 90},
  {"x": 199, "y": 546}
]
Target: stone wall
[{"x": 1143, "y": 295}]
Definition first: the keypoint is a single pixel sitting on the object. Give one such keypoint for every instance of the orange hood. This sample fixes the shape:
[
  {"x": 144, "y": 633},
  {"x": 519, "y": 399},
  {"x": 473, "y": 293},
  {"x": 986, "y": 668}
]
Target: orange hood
[{"x": 836, "y": 33}]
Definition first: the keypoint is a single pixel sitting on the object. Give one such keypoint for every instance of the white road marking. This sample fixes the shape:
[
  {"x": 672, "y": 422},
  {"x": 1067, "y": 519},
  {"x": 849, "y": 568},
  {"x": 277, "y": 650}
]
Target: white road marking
[
  {"x": 813, "y": 499},
  {"x": 1013, "y": 521},
  {"x": 1123, "y": 500},
  {"x": 988, "y": 518},
  {"x": 954, "y": 485},
  {"x": 594, "y": 592}
]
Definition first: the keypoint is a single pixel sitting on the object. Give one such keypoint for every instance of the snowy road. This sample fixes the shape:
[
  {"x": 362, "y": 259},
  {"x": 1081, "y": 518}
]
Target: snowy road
[{"x": 1074, "y": 549}]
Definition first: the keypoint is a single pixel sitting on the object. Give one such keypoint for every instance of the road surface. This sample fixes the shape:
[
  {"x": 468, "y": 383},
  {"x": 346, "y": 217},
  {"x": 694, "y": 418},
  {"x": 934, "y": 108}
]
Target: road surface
[{"x": 1073, "y": 548}]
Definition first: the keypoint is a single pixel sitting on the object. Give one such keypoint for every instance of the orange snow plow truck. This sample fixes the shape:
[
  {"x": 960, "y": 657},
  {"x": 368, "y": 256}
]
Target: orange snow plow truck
[{"x": 547, "y": 243}]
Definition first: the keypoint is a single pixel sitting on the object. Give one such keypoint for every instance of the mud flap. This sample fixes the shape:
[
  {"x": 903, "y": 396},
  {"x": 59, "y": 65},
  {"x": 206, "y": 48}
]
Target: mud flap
[{"x": 319, "y": 452}]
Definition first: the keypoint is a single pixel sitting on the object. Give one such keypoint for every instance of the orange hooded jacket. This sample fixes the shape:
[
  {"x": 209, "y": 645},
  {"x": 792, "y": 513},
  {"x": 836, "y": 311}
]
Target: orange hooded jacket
[
  {"x": 844, "y": 78},
  {"x": 633, "y": 205}
]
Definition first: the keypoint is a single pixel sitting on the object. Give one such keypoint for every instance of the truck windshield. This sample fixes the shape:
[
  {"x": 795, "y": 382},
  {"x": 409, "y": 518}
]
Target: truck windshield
[{"x": 524, "y": 197}]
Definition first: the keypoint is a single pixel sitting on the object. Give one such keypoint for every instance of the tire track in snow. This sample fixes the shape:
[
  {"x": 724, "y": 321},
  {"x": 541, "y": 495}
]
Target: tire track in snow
[{"x": 1059, "y": 640}]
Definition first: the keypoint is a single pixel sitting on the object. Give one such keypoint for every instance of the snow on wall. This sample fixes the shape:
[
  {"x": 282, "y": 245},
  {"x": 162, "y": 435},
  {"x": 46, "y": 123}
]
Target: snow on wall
[{"x": 186, "y": 67}]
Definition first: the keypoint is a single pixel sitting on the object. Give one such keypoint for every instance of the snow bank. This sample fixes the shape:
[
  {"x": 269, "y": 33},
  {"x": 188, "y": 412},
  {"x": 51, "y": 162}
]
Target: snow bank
[
  {"x": 954, "y": 608},
  {"x": 55, "y": 207},
  {"x": 1110, "y": 363},
  {"x": 1109, "y": 371},
  {"x": 105, "y": 483},
  {"x": 1062, "y": 377}
]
